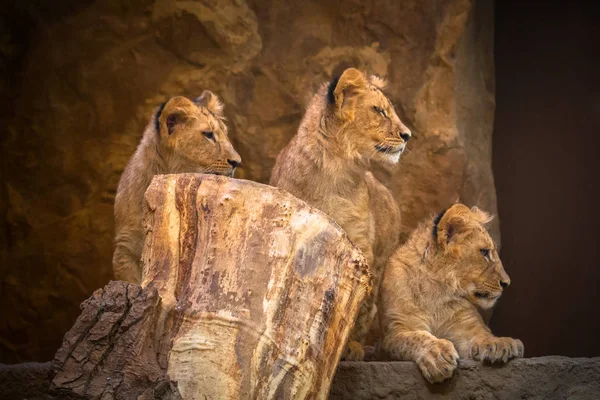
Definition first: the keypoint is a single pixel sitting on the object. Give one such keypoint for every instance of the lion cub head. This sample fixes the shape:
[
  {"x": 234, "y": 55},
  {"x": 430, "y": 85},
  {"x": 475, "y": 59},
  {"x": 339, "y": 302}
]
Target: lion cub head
[
  {"x": 466, "y": 251},
  {"x": 366, "y": 117},
  {"x": 195, "y": 137}
]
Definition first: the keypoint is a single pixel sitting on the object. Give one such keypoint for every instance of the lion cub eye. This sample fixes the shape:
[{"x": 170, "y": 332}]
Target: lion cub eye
[
  {"x": 380, "y": 111},
  {"x": 209, "y": 135},
  {"x": 485, "y": 253}
]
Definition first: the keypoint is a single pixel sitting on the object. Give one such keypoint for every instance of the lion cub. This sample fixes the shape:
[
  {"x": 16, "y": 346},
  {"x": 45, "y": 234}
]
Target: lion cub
[
  {"x": 182, "y": 136},
  {"x": 348, "y": 124},
  {"x": 432, "y": 288}
]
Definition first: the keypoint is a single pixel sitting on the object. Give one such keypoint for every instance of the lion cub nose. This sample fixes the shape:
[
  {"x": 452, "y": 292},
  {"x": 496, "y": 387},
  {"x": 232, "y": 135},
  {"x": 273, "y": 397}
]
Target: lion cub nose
[
  {"x": 504, "y": 284},
  {"x": 234, "y": 163},
  {"x": 405, "y": 136}
]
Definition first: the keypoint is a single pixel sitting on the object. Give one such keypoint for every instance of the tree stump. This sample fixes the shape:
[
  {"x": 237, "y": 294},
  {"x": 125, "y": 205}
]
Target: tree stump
[
  {"x": 255, "y": 296},
  {"x": 114, "y": 350}
]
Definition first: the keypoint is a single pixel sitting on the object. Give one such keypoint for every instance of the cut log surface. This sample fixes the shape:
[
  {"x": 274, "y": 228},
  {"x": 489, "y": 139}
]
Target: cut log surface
[{"x": 249, "y": 293}]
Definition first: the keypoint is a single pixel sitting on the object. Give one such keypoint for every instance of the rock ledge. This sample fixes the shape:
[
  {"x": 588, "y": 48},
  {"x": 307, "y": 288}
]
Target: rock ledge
[
  {"x": 547, "y": 378},
  {"x": 530, "y": 378}
]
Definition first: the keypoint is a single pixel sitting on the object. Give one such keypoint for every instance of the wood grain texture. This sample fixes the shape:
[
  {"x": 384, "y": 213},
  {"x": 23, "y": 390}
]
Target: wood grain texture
[
  {"x": 260, "y": 289},
  {"x": 249, "y": 293}
]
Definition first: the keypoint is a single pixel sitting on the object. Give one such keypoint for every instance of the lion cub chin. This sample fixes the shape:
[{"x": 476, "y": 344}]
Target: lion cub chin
[{"x": 431, "y": 292}]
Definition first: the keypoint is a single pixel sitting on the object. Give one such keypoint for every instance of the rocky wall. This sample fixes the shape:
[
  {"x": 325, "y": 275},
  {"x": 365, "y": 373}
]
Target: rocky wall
[{"x": 91, "y": 73}]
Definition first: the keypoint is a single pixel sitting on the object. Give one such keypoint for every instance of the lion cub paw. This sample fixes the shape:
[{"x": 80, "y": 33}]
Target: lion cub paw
[
  {"x": 497, "y": 349},
  {"x": 354, "y": 352},
  {"x": 438, "y": 361}
]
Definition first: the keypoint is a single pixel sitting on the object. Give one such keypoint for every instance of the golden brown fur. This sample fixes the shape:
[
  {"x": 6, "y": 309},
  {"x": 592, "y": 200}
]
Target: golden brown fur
[
  {"x": 432, "y": 288},
  {"x": 346, "y": 126},
  {"x": 184, "y": 136}
]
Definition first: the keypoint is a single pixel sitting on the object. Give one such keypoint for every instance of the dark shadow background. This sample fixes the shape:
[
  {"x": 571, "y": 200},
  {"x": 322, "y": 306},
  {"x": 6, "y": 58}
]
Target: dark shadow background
[{"x": 546, "y": 164}]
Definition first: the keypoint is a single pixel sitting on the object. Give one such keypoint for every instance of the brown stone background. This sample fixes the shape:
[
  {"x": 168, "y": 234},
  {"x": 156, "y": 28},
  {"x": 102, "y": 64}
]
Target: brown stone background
[{"x": 80, "y": 79}]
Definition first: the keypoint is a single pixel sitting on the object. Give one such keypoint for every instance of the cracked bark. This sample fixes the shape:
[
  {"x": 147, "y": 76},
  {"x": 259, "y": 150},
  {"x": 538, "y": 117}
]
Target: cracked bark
[{"x": 110, "y": 355}]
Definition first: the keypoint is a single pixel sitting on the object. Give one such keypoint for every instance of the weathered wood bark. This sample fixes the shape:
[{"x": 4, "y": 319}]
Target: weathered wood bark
[
  {"x": 247, "y": 293},
  {"x": 112, "y": 351}
]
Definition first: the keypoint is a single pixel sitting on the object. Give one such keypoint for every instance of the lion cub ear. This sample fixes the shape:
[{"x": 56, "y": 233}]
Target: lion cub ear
[
  {"x": 209, "y": 100},
  {"x": 345, "y": 92},
  {"x": 378, "y": 82},
  {"x": 174, "y": 113},
  {"x": 481, "y": 216},
  {"x": 453, "y": 226}
]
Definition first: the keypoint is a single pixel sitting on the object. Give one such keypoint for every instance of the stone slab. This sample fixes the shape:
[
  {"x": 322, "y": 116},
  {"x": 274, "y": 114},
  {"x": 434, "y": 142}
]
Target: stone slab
[{"x": 547, "y": 378}]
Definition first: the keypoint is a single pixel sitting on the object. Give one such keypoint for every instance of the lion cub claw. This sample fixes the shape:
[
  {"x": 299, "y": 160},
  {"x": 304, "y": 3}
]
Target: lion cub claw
[
  {"x": 438, "y": 361},
  {"x": 354, "y": 352},
  {"x": 497, "y": 349}
]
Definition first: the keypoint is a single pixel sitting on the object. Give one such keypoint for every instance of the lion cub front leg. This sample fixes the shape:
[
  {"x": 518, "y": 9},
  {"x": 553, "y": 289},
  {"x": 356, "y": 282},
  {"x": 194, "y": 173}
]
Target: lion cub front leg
[
  {"x": 475, "y": 340},
  {"x": 354, "y": 348},
  {"x": 436, "y": 358}
]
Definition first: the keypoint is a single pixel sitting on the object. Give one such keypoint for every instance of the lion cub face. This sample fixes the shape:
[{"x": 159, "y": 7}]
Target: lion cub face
[
  {"x": 470, "y": 253},
  {"x": 370, "y": 123},
  {"x": 196, "y": 136}
]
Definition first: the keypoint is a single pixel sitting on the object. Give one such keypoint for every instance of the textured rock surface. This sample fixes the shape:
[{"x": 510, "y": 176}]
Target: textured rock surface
[
  {"x": 95, "y": 69},
  {"x": 530, "y": 378},
  {"x": 544, "y": 378},
  {"x": 25, "y": 381}
]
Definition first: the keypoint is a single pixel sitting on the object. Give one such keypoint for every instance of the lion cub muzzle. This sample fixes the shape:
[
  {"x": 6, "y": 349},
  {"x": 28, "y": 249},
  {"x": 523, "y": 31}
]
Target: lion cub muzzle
[{"x": 395, "y": 145}]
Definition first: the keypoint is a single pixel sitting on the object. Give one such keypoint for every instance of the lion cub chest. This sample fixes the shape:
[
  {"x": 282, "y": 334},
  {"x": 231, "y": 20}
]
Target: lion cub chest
[{"x": 429, "y": 301}]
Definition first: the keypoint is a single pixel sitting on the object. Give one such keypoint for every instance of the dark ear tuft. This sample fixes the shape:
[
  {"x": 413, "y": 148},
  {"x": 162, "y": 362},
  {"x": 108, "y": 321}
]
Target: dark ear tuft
[
  {"x": 171, "y": 122},
  {"x": 436, "y": 222},
  {"x": 331, "y": 89},
  {"x": 157, "y": 116}
]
